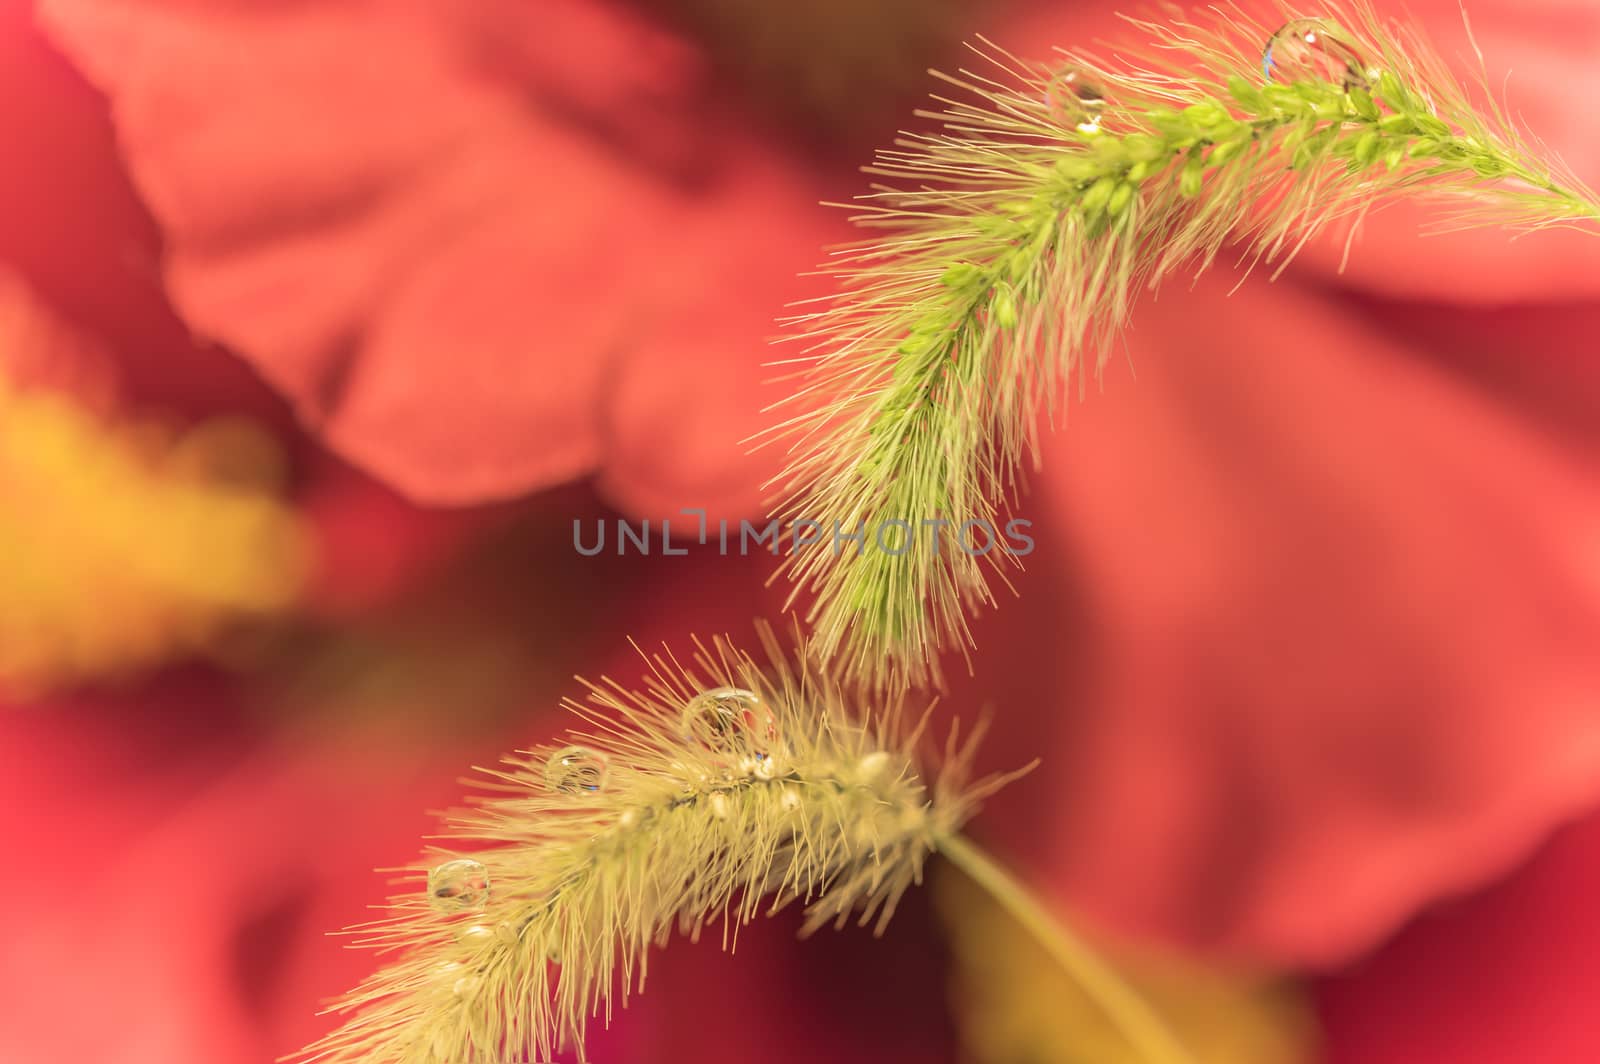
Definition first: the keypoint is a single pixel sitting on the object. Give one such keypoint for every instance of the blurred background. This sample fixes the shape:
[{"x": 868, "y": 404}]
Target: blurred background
[{"x": 321, "y": 323}]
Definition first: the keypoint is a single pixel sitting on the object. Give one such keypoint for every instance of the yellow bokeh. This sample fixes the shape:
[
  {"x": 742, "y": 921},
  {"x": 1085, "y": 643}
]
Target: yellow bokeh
[
  {"x": 126, "y": 543},
  {"x": 1015, "y": 1005}
]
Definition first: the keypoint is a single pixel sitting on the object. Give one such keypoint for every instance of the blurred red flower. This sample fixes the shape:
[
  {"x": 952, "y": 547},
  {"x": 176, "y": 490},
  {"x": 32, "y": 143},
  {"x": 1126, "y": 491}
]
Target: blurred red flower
[
  {"x": 476, "y": 244},
  {"x": 1311, "y": 636}
]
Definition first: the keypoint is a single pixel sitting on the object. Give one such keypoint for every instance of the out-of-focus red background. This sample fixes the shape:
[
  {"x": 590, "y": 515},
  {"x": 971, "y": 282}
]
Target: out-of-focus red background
[{"x": 320, "y": 323}]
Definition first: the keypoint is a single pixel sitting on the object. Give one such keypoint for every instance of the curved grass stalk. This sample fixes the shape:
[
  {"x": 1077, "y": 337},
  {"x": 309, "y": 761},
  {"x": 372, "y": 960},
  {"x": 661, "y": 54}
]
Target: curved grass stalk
[
  {"x": 721, "y": 792},
  {"x": 1013, "y": 243},
  {"x": 1122, "y": 1005}
]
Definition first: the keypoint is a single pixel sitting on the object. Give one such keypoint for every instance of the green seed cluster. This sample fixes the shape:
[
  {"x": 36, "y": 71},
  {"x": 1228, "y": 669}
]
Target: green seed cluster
[{"x": 1017, "y": 240}]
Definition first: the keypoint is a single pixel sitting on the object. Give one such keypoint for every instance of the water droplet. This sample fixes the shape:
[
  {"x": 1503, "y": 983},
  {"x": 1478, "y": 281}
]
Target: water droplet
[
  {"x": 575, "y": 769},
  {"x": 476, "y": 935},
  {"x": 507, "y": 933},
  {"x": 458, "y": 886},
  {"x": 466, "y": 987},
  {"x": 732, "y": 718},
  {"x": 1075, "y": 99},
  {"x": 1073, "y": 93},
  {"x": 1312, "y": 49}
]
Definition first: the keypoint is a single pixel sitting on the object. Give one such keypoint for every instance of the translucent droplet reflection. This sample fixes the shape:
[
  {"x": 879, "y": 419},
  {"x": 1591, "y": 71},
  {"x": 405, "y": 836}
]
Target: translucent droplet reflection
[
  {"x": 575, "y": 770},
  {"x": 1075, "y": 99},
  {"x": 459, "y": 886},
  {"x": 1313, "y": 49},
  {"x": 731, "y": 718},
  {"x": 475, "y": 935}
]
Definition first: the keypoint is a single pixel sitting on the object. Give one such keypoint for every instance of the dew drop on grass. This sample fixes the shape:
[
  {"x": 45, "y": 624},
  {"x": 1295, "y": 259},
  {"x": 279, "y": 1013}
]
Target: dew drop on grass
[
  {"x": 475, "y": 935},
  {"x": 1312, "y": 49},
  {"x": 575, "y": 770},
  {"x": 1075, "y": 99},
  {"x": 731, "y": 718},
  {"x": 459, "y": 886}
]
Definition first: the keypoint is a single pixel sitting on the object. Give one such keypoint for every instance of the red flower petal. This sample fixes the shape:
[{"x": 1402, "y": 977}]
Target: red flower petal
[
  {"x": 454, "y": 256},
  {"x": 1331, "y": 616},
  {"x": 1509, "y": 974},
  {"x": 692, "y": 392}
]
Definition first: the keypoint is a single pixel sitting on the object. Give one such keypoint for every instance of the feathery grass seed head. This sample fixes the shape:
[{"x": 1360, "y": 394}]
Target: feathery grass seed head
[
  {"x": 721, "y": 791},
  {"x": 1007, "y": 248}
]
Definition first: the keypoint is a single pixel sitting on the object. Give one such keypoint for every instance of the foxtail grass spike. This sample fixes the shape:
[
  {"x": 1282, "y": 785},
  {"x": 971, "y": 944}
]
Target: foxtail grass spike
[
  {"x": 722, "y": 791},
  {"x": 1007, "y": 251}
]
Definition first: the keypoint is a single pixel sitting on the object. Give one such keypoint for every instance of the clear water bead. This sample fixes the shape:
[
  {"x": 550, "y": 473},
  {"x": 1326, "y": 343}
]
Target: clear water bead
[
  {"x": 1073, "y": 93},
  {"x": 575, "y": 770},
  {"x": 731, "y": 717},
  {"x": 1075, "y": 99},
  {"x": 459, "y": 886},
  {"x": 475, "y": 935},
  {"x": 1313, "y": 49}
]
